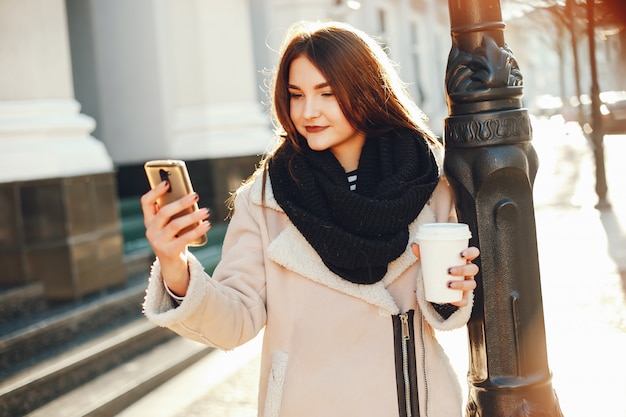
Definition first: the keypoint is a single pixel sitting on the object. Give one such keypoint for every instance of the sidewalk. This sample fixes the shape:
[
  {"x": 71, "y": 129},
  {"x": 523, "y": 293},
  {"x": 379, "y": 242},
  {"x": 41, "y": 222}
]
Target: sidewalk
[{"x": 581, "y": 254}]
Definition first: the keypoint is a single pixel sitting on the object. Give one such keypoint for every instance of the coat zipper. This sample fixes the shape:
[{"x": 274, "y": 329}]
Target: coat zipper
[
  {"x": 406, "y": 338},
  {"x": 424, "y": 376},
  {"x": 406, "y": 371}
]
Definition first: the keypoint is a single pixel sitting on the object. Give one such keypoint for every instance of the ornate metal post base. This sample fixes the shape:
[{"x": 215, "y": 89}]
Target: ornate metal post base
[{"x": 491, "y": 165}]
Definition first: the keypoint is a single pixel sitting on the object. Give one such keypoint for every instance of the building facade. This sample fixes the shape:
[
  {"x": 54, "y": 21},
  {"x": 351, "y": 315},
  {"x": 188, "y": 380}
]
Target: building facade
[{"x": 91, "y": 89}]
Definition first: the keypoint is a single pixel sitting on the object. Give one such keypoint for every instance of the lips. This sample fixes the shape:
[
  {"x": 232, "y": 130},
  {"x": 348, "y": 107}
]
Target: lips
[{"x": 315, "y": 129}]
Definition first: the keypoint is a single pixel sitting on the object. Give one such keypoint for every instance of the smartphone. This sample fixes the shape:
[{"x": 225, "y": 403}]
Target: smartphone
[{"x": 175, "y": 172}]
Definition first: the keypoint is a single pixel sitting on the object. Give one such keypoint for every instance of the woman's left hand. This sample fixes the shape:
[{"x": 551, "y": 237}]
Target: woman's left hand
[{"x": 469, "y": 271}]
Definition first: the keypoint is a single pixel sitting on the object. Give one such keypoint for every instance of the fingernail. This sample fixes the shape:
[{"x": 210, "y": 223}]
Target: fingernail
[
  {"x": 463, "y": 254},
  {"x": 449, "y": 271},
  {"x": 449, "y": 284}
]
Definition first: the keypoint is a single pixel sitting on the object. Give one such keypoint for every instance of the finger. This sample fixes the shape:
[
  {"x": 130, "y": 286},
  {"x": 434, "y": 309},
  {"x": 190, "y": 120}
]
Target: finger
[
  {"x": 470, "y": 253},
  {"x": 464, "y": 285},
  {"x": 165, "y": 214},
  {"x": 467, "y": 287},
  {"x": 467, "y": 270},
  {"x": 467, "y": 284},
  {"x": 168, "y": 244},
  {"x": 193, "y": 234},
  {"x": 179, "y": 205},
  {"x": 416, "y": 249},
  {"x": 188, "y": 221},
  {"x": 170, "y": 240},
  {"x": 149, "y": 201}
]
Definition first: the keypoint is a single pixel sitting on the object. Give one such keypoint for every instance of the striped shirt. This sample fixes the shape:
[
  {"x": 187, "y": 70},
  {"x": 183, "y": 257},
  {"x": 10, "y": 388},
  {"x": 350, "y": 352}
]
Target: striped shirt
[{"x": 352, "y": 179}]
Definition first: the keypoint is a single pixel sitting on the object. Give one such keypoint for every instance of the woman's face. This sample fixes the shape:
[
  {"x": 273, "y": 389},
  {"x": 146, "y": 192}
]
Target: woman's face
[{"x": 316, "y": 114}]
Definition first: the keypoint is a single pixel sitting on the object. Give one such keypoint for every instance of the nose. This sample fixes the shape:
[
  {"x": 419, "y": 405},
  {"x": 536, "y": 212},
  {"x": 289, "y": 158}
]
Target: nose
[{"x": 311, "y": 109}]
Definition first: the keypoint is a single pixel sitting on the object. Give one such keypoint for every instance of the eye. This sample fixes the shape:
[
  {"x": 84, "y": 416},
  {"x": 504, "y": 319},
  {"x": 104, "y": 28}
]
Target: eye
[
  {"x": 327, "y": 94},
  {"x": 295, "y": 94}
]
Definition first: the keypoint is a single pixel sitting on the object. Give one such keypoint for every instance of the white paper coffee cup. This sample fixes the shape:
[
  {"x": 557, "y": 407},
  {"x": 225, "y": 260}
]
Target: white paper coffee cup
[{"x": 441, "y": 245}]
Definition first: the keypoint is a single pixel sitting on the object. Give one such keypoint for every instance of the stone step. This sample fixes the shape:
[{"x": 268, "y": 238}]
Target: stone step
[
  {"x": 55, "y": 351},
  {"x": 133, "y": 229},
  {"x": 138, "y": 263},
  {"x": 51, "y": 378},
  {"x": 21, "y": 301},
  {"x": 30, "y": 340},
  {"x": 122, "y": 386}
]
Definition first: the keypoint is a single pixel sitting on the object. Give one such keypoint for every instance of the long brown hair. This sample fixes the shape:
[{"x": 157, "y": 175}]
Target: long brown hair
[{"x": 363, "y": 78}]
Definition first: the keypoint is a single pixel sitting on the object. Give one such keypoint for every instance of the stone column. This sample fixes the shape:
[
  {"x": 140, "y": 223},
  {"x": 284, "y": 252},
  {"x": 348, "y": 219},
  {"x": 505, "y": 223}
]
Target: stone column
[
  {"x": 173, "y": 79},
  {"x": 57, "y": 186}
]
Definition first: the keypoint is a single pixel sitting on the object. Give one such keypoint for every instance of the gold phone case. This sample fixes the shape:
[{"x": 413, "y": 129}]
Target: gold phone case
[{"x": 174, "y": 171}]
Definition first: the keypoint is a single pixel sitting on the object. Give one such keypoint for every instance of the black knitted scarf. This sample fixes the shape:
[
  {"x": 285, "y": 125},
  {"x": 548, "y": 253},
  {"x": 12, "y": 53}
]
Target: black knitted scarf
[{"x": 356, "y": 233}]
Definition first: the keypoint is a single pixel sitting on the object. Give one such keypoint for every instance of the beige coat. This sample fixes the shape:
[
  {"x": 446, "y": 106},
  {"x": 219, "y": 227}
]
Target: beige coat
[{"x": 328, "y": 346}]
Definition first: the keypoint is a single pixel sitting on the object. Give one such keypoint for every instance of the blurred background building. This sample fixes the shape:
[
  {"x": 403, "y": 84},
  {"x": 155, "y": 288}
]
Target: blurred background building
[{"x": 91, "y": 89}]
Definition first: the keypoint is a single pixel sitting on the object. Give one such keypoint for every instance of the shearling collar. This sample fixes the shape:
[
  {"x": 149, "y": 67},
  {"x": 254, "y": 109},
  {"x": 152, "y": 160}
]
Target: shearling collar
[
  {"x": 291, "y": 250},
  {"x": 256, "y": 193}
]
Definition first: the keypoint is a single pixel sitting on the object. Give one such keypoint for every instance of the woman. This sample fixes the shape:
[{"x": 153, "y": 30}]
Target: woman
[{"x": 319, "y": 251}]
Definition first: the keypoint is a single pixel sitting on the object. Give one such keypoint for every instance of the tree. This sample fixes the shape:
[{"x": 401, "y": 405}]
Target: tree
[{"x": 598, "y": 16}]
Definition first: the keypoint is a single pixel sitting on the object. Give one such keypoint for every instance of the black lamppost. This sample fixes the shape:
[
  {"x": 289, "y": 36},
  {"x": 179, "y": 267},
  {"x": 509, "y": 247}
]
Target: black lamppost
[{"x": 491, "y": 165}]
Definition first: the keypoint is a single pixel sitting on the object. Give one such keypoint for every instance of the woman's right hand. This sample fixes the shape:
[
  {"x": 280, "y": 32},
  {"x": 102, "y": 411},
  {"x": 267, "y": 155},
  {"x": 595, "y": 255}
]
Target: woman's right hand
[{"x": 162, "y": 233}]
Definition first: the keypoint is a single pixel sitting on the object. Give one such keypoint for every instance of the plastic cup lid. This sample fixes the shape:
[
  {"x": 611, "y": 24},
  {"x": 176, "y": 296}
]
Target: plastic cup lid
[{"x": 443, "y": 231}]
